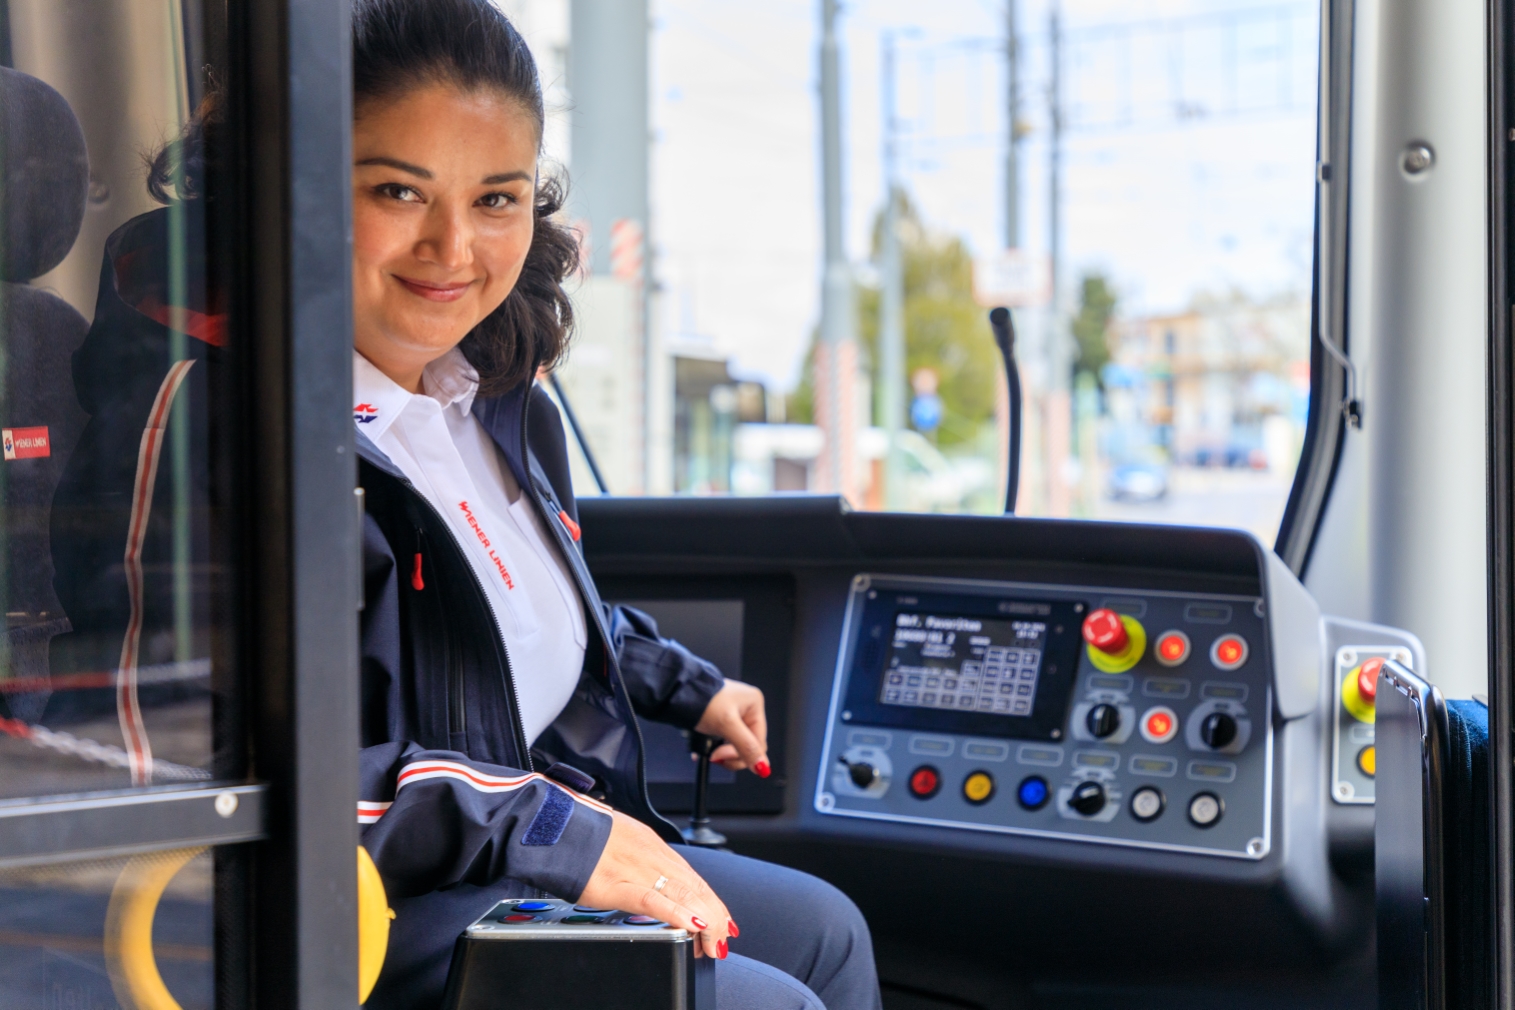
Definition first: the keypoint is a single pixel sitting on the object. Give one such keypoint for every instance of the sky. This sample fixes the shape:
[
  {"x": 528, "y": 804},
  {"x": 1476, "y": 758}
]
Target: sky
[{"x": 1188, "y": 152}]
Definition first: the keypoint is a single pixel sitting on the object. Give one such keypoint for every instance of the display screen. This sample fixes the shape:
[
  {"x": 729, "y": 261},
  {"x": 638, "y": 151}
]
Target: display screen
[{"x": 964, "y": 664}]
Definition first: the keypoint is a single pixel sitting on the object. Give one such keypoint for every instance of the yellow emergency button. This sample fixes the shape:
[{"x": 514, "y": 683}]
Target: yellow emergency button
[
  {"x": 978, "y": 787},
  {"x": 1367, "y": 760}
]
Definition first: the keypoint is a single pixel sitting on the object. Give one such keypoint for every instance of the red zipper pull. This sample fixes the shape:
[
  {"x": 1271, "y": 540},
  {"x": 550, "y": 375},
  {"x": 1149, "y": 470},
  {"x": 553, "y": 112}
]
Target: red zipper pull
[
  {"x": 572, "y": 527},
  {"x": 416, "y": 581}
]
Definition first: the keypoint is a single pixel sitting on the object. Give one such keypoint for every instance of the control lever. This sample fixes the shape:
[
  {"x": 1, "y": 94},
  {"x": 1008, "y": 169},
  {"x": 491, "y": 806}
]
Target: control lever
[
  {"x": 1004, "y": 337},
  {"x": 699, "y": 832},
  {"x": 861, "y": 773}
]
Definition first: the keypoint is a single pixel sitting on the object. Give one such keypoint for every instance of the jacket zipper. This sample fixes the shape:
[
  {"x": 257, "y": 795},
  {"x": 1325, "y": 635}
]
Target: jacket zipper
[
  {"x": 457, "y": 711},
  {"x": 455, "y": 688}
]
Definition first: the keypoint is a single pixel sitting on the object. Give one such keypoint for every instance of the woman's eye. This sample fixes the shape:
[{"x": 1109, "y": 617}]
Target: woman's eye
[
  {"x": 498, "y": 201},
  {"x": 397, "y": 191}
]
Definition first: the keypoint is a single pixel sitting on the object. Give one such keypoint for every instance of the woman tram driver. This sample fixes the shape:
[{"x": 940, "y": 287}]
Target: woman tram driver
[{"x": 486, "y": 650}]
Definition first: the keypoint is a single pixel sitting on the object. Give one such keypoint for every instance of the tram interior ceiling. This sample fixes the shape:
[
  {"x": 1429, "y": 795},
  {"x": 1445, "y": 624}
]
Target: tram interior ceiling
[{"x": 1059, "y": 759}]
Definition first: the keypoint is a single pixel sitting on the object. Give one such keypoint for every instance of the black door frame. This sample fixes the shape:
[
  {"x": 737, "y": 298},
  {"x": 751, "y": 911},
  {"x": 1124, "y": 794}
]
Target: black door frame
[{"x": 291, "y": 68}]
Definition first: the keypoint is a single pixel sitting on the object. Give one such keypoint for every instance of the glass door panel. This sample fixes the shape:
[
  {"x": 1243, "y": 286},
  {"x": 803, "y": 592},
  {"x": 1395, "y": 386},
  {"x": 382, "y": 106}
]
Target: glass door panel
[{"x": 116, "y": 405}]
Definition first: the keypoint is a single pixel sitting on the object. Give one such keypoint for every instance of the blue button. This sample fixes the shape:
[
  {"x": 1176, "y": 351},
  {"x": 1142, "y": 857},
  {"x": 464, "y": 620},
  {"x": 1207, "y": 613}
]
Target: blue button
[
  {"x": 1032, "y": 793},
  {"x": 534, "y": 906}
]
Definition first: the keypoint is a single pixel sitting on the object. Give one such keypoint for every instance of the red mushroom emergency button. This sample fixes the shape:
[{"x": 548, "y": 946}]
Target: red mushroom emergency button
[
  {"x": 1367, "y": 680},
  {"x": 1103, "y": 630},
  {"x": 1115, "y": 642}
]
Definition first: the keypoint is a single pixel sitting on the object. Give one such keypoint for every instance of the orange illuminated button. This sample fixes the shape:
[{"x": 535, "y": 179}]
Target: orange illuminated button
[
  {"x": 1159, "y": 724},
  {"x": 1172, "y": 648},
  {"x": 1229, "y": 652},
  {"x": 1104, "y": 630},
  {"x": 1367, "y": 760},
  {"x": 1367, "y": 680}
]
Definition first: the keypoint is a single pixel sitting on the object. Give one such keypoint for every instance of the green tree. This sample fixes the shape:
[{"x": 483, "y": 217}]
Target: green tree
[
  {"x": 945, "y": 330},
  {"x": 1091, "y": 326}
]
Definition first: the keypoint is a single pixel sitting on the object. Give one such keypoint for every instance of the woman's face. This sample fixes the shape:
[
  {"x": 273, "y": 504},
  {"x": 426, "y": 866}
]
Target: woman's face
[{"x": 442, "y": 187}]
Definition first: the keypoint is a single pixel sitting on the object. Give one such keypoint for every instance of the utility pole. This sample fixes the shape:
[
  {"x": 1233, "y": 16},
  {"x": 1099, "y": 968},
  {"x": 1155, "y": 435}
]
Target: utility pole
[
  {"x": 1059, "y": 417},
  {"x": 836, "y": 356},
  {"x": 1012, "y": 131},
  {"x": 609, "y": 149},
  {"x": 892, "y": 296}
]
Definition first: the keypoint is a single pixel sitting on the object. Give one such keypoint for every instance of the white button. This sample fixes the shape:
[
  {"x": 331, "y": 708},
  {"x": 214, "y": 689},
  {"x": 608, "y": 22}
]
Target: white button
[{"x": 1205, "y": 809}]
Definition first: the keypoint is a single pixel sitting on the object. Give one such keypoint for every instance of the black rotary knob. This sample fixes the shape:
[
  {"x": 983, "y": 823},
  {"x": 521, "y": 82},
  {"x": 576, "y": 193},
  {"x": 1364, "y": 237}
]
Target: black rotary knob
[
  {"x": 1217, "y": 730},
  {"x": 1088, "y": 798},
  {"x": 1103, "y": 720},
  {"x": 862, "y": 774}
]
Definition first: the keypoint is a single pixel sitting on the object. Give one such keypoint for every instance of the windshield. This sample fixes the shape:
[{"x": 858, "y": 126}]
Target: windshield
[{"x": 769, "y": 312}]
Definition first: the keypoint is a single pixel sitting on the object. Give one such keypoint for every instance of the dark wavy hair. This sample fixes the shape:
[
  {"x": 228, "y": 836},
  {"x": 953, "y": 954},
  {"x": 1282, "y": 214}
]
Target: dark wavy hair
[
  {"x": 177, "y": 170},
  {"x": 399, "y": 45}
]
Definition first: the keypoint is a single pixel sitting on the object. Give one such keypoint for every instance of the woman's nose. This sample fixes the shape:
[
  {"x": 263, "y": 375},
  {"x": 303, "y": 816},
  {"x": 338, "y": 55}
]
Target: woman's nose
[{"x": 448, "y": 240}]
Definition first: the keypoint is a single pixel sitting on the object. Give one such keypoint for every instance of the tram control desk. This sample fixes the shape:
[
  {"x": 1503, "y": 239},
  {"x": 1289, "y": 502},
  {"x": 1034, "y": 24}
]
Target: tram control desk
[{"x": 1102, "y": 761}]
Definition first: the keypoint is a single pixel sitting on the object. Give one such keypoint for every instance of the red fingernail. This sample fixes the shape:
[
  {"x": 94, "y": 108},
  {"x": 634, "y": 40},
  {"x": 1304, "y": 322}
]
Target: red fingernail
[
  {"x": 762, "y": 769},
  {"x": 721, "y": 949},
  {"x": 698, "y": 923},
  {"x": 731, "y": 928}
]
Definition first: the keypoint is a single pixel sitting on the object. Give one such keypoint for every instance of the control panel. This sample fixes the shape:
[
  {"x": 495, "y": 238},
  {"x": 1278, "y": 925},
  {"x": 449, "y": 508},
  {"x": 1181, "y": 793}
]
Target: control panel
[{"x": 1138, "y": 718}]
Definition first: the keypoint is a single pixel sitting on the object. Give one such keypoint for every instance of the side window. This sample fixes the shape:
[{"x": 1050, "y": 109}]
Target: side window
[
  {"x": 1137, "y": 188},
  {"x": 117, "y": 421}
]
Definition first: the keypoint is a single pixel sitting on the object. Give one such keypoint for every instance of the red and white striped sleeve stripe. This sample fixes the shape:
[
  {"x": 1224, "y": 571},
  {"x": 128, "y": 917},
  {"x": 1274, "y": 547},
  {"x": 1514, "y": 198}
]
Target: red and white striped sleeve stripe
[
  {"x": 369, "y": 813},
  {"x": 422, "y": 771}
]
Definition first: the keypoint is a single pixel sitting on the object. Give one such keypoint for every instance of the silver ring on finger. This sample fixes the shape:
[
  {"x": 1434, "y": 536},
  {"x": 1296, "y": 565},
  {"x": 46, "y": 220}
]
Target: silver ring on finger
[{"x": 662, "y": 883}]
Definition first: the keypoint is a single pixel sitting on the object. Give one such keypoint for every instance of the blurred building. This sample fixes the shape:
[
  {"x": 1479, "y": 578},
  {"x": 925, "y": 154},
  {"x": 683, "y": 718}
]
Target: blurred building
[
  {"x": 1224, "y": 384},
  {"x": 708, "y": 405}
]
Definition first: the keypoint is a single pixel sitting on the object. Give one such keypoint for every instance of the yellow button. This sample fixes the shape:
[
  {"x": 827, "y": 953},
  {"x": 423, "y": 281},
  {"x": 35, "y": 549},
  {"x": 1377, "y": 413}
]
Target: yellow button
[
  {"x": 1367, "y": 760},
  {"x": 978, "y": 787}
]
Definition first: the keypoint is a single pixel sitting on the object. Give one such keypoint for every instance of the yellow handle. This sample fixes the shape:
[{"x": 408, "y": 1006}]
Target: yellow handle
[
  {"x": 374, "y": 914},
  {"x": 129, "y": 929},
  {"x": 134, "y": 902}
]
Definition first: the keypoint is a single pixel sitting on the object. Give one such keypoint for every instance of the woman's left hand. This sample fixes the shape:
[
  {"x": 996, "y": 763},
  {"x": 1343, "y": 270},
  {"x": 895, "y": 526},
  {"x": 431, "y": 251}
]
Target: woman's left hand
[{"x": 736, "y": 715}]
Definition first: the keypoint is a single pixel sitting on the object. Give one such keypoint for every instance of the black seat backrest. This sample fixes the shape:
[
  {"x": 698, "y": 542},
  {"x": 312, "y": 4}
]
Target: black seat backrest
[
  {"x": 1431, "y": 846},
  {"x": 42, "y": 201}
]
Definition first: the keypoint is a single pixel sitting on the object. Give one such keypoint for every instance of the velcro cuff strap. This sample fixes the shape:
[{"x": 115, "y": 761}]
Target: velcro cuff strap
[{"x": 551, "y": 819}]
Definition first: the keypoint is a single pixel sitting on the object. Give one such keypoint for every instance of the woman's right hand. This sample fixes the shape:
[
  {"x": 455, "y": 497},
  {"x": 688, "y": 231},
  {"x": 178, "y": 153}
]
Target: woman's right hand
[{"x": 626, "y": 875}]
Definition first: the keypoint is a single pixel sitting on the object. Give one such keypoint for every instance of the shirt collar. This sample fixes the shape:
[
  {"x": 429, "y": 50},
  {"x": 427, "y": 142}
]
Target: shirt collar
[
  {"x": 451, "y": 380},
  {"x": 378, "y": 399}
]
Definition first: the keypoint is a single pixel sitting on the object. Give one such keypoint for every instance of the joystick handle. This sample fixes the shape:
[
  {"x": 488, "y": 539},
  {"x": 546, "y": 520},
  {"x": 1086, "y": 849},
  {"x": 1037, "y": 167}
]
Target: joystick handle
[{"x": 699, "y": 832}]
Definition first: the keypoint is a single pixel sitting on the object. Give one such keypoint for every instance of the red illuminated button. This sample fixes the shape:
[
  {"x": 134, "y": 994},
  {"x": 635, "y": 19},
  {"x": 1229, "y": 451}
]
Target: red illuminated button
[
  {"x": 1229, "y": 652},
  {"x": 1159, "y": 724},
  {"x": 1172, "y": 648},
  {"x": 1367, "y": 680},
  {"x": 519, "y": 918},
  {"x": 1104, "y": 630},
  {"x": 924, "y": 782}
]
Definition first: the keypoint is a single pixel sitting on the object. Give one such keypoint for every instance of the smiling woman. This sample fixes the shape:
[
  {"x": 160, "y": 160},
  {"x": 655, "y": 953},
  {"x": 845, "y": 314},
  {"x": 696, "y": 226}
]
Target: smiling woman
[{"x": 487, "y": 651}]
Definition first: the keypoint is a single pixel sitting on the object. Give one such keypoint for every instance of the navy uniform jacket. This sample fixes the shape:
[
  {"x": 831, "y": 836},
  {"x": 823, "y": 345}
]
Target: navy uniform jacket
[{"x": 450, "y": 792}]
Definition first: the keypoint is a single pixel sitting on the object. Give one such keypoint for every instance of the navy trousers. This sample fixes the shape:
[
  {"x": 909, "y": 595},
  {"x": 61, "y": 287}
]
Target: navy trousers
[
  {"x": 795, "y": 929},
  {"x": 804, "y": 944}
]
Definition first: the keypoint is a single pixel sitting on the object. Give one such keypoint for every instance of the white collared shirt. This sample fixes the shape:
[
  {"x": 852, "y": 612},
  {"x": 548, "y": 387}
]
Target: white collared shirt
[{"x": 435, "y": 440}]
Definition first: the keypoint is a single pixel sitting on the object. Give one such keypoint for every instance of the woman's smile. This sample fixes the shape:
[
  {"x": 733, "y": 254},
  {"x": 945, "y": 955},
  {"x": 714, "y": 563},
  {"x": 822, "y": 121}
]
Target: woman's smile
[{"x": 435, "y": 291}]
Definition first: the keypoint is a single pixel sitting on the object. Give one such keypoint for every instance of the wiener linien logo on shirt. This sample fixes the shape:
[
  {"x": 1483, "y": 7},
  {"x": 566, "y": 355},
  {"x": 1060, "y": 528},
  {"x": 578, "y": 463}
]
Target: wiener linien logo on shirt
[{"x": 484, "y": 539}]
